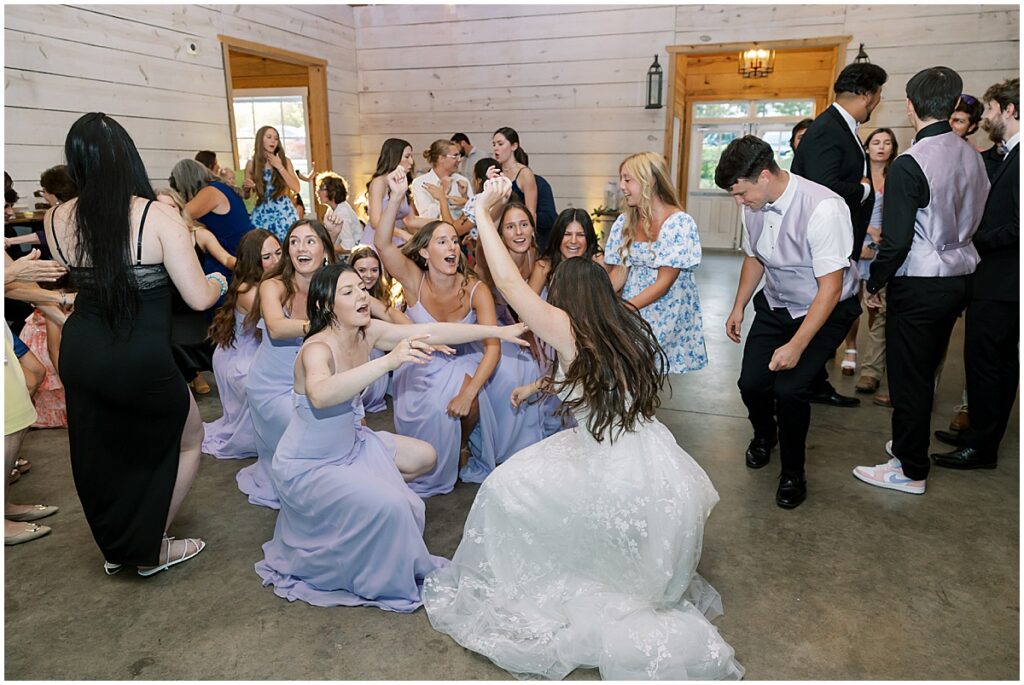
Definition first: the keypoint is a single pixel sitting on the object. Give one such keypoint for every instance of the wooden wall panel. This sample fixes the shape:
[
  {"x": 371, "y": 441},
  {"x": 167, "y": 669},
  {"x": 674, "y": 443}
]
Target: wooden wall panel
[{"x": 131, "y": 62}]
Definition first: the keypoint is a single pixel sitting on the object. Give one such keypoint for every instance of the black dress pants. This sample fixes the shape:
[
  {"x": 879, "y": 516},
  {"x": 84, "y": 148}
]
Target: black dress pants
[
  {"x": 778, "y": 400},
  {"x": 991, "y": 343},
  {"x": 920, "y": 315}
]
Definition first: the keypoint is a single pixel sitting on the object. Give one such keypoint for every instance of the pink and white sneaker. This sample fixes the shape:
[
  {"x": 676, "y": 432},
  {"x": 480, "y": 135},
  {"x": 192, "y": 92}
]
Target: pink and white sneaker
[{"x": 889, "y": 476}]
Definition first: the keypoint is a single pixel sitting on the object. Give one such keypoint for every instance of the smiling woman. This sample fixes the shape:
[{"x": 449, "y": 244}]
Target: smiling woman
[{"x": 282, "y": 293}]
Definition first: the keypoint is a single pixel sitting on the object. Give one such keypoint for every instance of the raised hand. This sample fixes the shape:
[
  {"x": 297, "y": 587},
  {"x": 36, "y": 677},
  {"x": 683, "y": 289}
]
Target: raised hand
[
  {"x": 495, "y": 190},
  {"x": 493, "y": 172},
  {"x": 275, "y": 160},
  {"x": 398, "y": 180},
  {"x": 411, "y": 350}
]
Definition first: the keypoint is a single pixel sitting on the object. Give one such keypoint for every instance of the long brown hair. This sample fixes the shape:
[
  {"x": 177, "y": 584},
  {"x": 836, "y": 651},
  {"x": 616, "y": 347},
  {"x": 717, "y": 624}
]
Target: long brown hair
[
  {"x": 284, "y": 270},
  {"x": 619, "y": 368},
  {"x": 382, "y": 289},
  {"x": 259, "y": 160},
  {"x": 248, "y": 272},
  {"x": 895, "y": 146},
  {"x": 480, "y": 267},
  {"x": 650, "y": 170},
  {"x": 421, "y": 239}
]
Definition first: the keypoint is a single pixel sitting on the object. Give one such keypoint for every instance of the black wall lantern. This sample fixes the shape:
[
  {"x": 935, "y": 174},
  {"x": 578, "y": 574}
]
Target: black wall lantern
[{"x": 655, "y": 76}]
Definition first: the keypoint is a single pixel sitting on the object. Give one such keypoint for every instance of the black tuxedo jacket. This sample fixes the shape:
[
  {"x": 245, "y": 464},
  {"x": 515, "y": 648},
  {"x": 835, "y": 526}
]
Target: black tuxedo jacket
[
  {"x": 829, "y": 154},
  {"x": 998, "y": 235}
]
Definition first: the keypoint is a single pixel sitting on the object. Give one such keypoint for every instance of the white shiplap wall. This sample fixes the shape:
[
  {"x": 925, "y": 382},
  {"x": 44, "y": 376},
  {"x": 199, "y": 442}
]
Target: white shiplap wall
[
  {"x": 570, "y": 78},
  {"x": 130, "y": 62}
]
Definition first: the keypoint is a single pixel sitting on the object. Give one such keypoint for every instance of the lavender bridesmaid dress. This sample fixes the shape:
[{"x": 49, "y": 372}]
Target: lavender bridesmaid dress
[
  {"x": 373, "y": 395},
  {"x": 403, "y": 211},
  {"x": 232, "y": 435},
  {"x": 422, "y": 393},
  {"x": 268, "y": 389},
  {"x": 503, "y": 429},
  {"x": 350, "y": 532}
]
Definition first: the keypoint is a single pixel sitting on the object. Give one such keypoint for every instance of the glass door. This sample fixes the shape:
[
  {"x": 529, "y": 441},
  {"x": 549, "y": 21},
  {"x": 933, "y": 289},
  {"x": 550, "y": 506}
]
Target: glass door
[{"x": 715, "y": 125}]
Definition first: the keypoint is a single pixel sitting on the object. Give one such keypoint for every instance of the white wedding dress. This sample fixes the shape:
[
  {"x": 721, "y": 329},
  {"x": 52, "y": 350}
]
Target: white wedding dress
[{"x": 584, "y": 554}]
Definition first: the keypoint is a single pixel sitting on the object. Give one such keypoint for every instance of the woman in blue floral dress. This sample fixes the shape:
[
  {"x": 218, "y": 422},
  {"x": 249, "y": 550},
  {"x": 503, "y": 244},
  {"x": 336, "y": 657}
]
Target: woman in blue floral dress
[
  {"x": 651, "y": 254},
  {"x": 274, "y": 210}
]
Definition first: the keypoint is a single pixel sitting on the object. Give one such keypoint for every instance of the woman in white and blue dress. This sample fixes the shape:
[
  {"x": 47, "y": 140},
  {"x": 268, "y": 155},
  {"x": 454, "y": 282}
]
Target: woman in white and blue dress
[
  {"x": 581, "y": 550},
  {"x": 651, "y": 254},
  {"x": 271, "y": 175}
]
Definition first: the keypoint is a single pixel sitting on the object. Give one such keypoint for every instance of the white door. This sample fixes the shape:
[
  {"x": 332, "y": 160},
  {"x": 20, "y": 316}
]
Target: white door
[{"x": 716, "y": 124}]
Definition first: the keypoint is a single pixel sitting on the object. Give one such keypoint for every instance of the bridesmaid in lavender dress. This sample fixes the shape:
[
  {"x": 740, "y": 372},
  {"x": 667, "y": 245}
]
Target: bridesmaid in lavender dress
[
  {"x": 523, "y": 423},
  {"x": 350, "y": 531},
  {"x": 268, "y": 388},
  {"x": 232, "y": 436},
  {"x": 438, "y": 402},
  {"x": 395, "y": 153},
  {"x": 367, "y": 264}
]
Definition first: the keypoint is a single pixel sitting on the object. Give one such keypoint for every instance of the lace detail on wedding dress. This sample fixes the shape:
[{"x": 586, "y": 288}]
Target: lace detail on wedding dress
[{"x": 578, "y": 553}]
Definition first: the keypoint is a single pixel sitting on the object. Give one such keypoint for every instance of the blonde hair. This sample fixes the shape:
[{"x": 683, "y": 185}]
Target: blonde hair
[
  {"x": 438, "y": 149},
  {"x": 651, "y": 172},
  {"x": 179, "y": 203}
]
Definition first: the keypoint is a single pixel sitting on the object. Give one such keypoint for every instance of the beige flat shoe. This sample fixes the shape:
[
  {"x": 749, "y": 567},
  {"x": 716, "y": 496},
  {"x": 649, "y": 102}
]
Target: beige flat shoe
[
  {"x": 38, "y": 511},
  {"x": 33, "y": 531}
]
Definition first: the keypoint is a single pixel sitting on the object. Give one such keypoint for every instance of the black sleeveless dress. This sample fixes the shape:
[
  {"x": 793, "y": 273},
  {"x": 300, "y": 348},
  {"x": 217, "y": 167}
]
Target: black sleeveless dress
[
  {"x": 127, "y": 404},
  {"x": 546, "y": 211}
]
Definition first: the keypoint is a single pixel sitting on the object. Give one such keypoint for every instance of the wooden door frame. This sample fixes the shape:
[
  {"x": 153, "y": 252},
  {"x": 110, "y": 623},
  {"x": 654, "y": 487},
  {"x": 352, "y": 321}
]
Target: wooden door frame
[
  {"x": 675, "y": 51},
  {"x": 318, "y": 110}
]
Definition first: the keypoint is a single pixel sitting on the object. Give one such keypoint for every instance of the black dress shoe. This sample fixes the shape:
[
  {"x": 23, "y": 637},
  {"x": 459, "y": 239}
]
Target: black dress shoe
[
  {"x": 965, "y": 458},
  {"x": 952, "y": 438},
  {"x": 792, "y": 491},
  {"x": 759, "y": 452},
  {"x": 834, "y": 399}
]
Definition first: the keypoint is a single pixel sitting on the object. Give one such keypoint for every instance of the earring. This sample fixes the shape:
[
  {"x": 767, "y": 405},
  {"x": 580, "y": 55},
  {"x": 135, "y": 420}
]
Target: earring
[{"x": 325, "y": 261}]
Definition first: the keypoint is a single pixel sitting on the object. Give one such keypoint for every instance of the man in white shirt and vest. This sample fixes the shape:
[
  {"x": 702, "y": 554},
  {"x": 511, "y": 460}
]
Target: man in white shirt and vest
[
  {"x": 935, "y": 196},
  {"x": 799, "y": 239}
]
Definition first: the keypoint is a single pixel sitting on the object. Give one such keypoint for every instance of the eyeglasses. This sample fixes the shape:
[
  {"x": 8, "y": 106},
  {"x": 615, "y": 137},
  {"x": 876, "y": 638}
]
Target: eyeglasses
[{"x": 455, "y": 156}]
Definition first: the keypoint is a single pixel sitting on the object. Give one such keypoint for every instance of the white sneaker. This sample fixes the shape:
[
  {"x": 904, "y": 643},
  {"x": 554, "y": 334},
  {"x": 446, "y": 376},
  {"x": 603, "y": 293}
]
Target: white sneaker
[
  {"x": 889, "y": 476},
  {"x": 888, "y": 450}
]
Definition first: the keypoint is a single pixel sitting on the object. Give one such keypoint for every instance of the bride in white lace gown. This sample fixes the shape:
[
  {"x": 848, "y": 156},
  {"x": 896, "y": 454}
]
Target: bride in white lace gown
[{"x": 581, "y": 550}]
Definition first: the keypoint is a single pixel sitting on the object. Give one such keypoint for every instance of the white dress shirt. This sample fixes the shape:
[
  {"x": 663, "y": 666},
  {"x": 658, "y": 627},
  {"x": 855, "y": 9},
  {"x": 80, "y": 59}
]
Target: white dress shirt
[
  {"x": 427, "y": 206},
  {"x": 1012, "y": 142},
  {"x": 854, "y": 125},
  {"x": 829, "y": 231}
]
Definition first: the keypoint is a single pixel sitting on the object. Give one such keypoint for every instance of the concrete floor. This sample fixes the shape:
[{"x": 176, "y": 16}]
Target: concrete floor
[{"x": 857, "y": 583}]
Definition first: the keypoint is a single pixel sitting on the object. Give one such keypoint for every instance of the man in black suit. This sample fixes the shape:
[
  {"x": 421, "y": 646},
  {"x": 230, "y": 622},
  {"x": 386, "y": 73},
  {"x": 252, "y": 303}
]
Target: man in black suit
[
  {"x": 992, "y": 331},
  {"x": 832, "y": 155}
]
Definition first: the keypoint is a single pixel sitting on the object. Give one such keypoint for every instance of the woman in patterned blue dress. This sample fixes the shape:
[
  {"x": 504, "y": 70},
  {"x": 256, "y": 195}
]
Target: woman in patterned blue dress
[
  {"x": 651, "y": 254},
  {"x": 274, "y": 210}
]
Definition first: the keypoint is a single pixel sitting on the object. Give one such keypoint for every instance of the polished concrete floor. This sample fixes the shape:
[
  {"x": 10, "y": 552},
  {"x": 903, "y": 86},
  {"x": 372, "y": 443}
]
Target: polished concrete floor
[{"x": 857, "y": 583}]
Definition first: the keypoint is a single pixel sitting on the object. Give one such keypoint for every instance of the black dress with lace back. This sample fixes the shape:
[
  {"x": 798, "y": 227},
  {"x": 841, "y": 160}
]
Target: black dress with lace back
[{"x": 127, "y": 405}]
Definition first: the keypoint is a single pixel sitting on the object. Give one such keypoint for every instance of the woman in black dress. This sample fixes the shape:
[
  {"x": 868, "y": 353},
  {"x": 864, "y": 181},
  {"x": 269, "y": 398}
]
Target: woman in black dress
[{"x": 134, "y": 429}]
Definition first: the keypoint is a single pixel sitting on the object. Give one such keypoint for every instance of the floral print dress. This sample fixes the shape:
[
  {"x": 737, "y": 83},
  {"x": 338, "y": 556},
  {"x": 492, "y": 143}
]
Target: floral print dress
[
  {"x": 275, "y": 215},
  {"x": 676, "y": 317}
]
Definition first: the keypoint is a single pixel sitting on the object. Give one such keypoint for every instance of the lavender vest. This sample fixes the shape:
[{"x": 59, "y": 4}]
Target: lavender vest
[
  {"x": 957, "y": 188},
  {"x": 789, "y": 272}
]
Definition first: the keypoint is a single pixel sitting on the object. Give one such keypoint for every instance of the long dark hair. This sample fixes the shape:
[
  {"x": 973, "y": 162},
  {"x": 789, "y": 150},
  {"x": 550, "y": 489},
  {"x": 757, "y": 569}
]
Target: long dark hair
[
  {"x": 895, "y": 146},
  {"x": 248, "y": 272},
  {"x": 619, "y": 367},
  {"x": 480, "y": 268},
  {"x": 553, "y": 250},
  {"x": 320, "y": 300},
  {"x": 285, "y": 270},
  {"x": 512, "y": 137},
  {"x": 105, "y": 165},
  {"x": 390, "y": 157}
]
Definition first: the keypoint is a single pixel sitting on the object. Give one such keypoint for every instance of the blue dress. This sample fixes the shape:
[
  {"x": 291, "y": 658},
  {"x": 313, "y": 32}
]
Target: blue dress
[
  {"x": 676, "y": 317},
  {"x": 350, "y": 532},
  {"x": 275, "y": 215},
  {"x": 228, "y": 228},
  {"x": 268, "y": 390}
]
